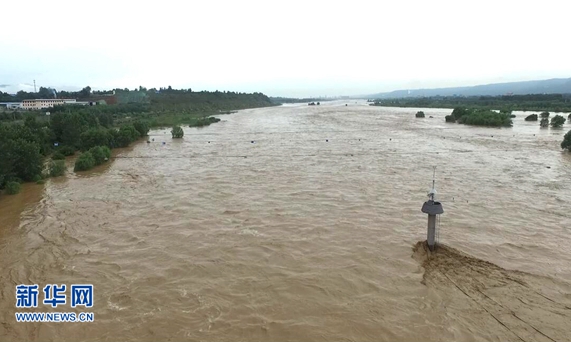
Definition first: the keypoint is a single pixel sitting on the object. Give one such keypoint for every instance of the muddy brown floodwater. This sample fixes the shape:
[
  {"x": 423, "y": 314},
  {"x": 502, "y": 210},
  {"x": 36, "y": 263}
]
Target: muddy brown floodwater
[{"x": 302, "y": 223}]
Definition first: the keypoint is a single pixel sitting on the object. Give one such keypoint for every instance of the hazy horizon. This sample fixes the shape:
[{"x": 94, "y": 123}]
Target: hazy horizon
[{"x": 295, "y": 49}]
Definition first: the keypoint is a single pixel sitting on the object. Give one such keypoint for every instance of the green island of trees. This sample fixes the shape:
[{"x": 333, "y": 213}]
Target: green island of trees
[
  {"x": 420, "y": 114},
  {"x": 28, "y": 138},
  {"x": 479, "y": 117}
]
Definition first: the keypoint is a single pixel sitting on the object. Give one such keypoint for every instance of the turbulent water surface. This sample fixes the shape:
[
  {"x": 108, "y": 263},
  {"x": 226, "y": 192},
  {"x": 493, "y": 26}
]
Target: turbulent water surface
[{"x": 301, "y": 223}]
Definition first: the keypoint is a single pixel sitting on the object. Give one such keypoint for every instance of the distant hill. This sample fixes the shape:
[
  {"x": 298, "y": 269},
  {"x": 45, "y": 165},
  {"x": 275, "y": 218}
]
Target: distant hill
[{"x": 551, "y": 86}]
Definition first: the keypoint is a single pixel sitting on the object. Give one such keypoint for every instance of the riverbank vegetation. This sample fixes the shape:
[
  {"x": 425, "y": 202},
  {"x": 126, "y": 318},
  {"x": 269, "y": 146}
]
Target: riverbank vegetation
[
  {"x": 532, "y": 102},
  {"x": 28, "y": 138},
  {"x": 94, "y": 156},
  {"x": 480, "y": 117}
]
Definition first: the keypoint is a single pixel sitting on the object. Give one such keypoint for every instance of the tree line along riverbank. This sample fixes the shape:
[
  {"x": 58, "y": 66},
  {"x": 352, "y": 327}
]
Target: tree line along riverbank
[{"x": 33, "y": 145}]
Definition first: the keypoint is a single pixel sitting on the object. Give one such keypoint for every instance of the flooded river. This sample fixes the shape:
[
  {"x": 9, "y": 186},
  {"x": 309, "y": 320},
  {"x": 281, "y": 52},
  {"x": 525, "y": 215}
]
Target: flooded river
[{"x": 302, "y": 223}]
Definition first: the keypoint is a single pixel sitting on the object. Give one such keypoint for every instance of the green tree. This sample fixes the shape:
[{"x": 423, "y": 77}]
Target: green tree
[
  {"x": 459, "y": 112},
  {"x": 45, "y": 93},
  {"x": 142, "y": 127},
  {"x": 545, "y": 114},
  {"x": 450, "y": 118},
  {"x": 557, "y": 121},
  {"x": 100, "y": 154},
  {"x": 566, "y": 143},
  {"x": 544, "y": 122},
  {"x": 67, "y": 127},
  {"x": 95, "y": 137},
  {"x": 532, "y": 117},
  {"x": 84, "y": 162},
  {"x": 126, "y": 135},
  {"x": 26, "y": 159},
  {"x": 420, "y": 114},
  {"x": 105, "y": 119},
  {"x": 85, "y": 92},
  {"x": 177, "y": 132}
]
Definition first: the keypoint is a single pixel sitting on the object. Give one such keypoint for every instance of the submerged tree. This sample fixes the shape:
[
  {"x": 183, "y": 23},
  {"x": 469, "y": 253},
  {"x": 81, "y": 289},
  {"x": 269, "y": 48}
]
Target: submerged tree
[
  {"x": 420, "y": 114},
  {"x": 532, "y": 117},
  {"x": 545, "y": 114},
  {"x": 544, "y": 122},
  {"x": 177, "y": 132},
  {"x": 566, "y": 143},
  {"x": 557, "y": 121}
]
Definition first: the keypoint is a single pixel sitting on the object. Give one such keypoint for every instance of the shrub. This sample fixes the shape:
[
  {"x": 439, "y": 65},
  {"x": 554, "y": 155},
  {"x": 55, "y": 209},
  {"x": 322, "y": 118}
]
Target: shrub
[
  {"x": 97, "y": 153},
  {"x": 58, "y": 156},
  {"x": 37, "y": 178},
  {"x": 142, "y": 127},
  {"x": 177, "y": 132},
  {"x": 57, "y": 168},
  {"x": 84, "y": 162},
  {"x": 126, "y": 135},
  {"x": 66, "y": 150},
  {"x": 450, "y": 118},
  {"x": 106, "y": 152},
  {"x": 545, "y": 114},
  {"x": 420, "y": 114},
  {"x": 532, "y": 117},
  {"x": 544, "y": 122},
  {"x": 557, "y": 121},
  {"x": 13, "y": 188},
  {"x": 566, "y": 143}
]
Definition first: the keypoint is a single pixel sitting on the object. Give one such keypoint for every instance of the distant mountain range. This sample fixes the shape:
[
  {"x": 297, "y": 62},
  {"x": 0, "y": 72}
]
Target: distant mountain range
[{"x": 551, "y": 86}]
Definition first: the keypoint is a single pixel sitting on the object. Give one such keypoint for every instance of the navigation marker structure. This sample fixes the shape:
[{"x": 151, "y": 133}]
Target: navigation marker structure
[{"x": 432, "y": 208}]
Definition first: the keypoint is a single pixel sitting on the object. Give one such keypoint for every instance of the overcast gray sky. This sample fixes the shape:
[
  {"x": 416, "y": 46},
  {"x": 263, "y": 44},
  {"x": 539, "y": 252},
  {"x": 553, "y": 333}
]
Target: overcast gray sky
[{"x": 285, "y": 48}]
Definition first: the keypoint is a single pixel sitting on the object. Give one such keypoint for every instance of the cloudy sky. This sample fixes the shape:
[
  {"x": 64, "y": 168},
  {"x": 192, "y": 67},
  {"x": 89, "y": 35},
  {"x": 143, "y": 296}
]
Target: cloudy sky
[{"x": 281, "y": 48}]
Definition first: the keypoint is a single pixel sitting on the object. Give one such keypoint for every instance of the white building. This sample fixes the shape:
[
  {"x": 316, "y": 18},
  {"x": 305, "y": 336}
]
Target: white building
[
  {"x": 11, "y": 105},
  {"x": 45, "y": 103}
]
